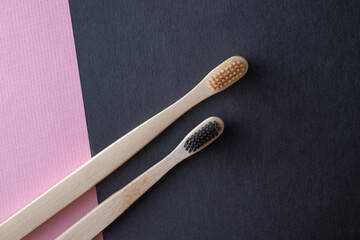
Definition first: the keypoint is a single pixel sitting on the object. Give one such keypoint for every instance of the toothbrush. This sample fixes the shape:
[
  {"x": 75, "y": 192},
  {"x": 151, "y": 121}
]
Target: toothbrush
[
  {"x": 112, "y": 157},
  {"x": 110, "y": 209}
]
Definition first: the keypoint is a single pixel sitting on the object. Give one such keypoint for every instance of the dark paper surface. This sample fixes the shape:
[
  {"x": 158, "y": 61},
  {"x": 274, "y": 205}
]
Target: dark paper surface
[{"x": 287, "y": 165}]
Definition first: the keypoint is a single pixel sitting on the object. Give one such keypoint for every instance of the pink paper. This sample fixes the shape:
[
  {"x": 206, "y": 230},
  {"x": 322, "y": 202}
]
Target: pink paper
[{"x": 43, "y": 135}]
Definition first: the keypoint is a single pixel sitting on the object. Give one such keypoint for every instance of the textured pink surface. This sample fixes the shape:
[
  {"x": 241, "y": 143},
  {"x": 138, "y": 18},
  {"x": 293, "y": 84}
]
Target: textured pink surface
[{"x": 42, "y": 122}]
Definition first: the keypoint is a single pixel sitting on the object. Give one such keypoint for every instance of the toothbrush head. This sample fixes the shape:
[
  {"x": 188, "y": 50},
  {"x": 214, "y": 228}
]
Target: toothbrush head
[
  {"x": 227, "y": 73},
  {"x": 204, "y": 134}
]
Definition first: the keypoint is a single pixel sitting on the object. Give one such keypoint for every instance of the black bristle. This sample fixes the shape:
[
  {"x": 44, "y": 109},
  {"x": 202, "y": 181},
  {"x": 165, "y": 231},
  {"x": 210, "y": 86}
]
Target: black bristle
[{"x": 202, "y": 136}]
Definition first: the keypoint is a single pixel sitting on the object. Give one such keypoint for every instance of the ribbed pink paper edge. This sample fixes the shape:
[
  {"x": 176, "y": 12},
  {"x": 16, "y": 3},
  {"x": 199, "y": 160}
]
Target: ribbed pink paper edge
[{"x": 43, "y": 135}]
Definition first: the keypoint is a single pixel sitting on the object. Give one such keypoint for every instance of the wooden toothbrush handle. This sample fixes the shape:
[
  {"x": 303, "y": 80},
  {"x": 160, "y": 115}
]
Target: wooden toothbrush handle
[
  {"x": 96, "y": 169},
  {"x": 110, "y": 209}
]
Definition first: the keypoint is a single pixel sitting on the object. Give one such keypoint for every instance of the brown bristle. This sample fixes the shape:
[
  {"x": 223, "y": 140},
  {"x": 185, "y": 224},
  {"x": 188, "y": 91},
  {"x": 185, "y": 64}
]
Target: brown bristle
[{"x": 227, "y": 75}]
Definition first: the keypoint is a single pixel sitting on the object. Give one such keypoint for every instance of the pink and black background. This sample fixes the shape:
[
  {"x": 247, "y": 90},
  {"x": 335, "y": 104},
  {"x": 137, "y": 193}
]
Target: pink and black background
[{"x": 75, "y": 76}]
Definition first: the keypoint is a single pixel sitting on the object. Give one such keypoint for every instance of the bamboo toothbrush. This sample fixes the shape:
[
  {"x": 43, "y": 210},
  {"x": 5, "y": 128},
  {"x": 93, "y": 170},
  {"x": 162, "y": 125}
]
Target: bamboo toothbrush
[
  {"x": 112, "y": 157},
  {"x": 104, "y": 214}
]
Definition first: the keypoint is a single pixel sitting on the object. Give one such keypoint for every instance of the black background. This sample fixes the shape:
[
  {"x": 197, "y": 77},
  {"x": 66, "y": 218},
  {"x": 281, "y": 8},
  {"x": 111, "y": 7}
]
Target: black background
[{"x": 287, "y": 165}]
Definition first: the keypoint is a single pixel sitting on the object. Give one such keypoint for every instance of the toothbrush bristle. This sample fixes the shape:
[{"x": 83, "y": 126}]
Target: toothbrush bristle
[
  {"x": 202, "y": 136},
  {"x": 227, "y": 75}
]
